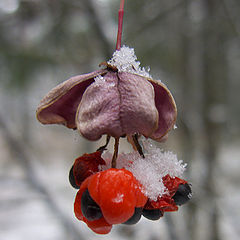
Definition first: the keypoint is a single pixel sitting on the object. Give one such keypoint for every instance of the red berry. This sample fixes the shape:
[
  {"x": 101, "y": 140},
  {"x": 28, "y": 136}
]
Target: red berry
[
  {"x": 172, "y": 183},
  {"x": 116, "y": 192},
  {"x": 179, "y": 192},
  {"x": 99, "y": 226},
  {"x": 85, "y": 166}
]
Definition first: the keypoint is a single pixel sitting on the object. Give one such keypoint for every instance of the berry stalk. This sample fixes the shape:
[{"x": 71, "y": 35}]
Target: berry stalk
[
  {"x": 115, "y": 154},
  {"x": 120, "y": 24}
]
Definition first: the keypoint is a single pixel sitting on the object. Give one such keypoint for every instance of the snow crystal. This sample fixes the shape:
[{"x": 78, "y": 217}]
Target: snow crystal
[
  {"x": 118, "y": 198},
  {"x": 149, "y": 170},
  {"x": 126, "y": 61},
  {"x": 99, "y": 79}
]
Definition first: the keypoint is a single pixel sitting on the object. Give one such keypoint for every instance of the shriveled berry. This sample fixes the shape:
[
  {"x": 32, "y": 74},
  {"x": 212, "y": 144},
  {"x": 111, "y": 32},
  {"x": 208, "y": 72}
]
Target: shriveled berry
[
  {"x": 85, "y": 166},
  {"x": 72, "y": 179},
  {"x": 90, "y": 210},
  {"x": 183, "y": 194},
  {"x": 152, "y": 214},
  {"x": 135, "y": 217}
]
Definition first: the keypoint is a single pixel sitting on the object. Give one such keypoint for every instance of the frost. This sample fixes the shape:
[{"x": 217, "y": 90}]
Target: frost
[
  {"x": 125, "y": 60},
  {"x": 118, "y": 198},
  {"x": 149, "y": 170},
  {"x": 99, "y": 80}
]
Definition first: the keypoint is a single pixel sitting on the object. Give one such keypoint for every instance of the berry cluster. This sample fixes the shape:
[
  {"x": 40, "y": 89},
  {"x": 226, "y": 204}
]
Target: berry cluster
[
  {"x": 120, "y": 100},
  {"x": 114, "y": 196}
]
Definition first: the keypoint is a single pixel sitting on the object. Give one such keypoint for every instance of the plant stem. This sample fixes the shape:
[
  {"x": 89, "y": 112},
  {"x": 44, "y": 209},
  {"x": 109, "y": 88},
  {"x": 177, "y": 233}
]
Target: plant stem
[
  {"x": 137, "y": 145},
  {"x": 102, "y": 148},
  {"x": 115, "y": 154},
  {"x": 120, "y": 24}
]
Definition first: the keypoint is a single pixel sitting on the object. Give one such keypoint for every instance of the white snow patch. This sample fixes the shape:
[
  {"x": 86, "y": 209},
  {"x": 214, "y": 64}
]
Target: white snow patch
[
  {"x": 125, "y": 60},
  {"x": 99, "y": 80},
  {"x": 149, "y": 170},
  {"x": 118, "y": 198}
]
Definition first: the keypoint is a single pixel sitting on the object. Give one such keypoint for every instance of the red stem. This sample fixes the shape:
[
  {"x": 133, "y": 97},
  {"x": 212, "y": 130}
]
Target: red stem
[{"x": 120, "y": 24}]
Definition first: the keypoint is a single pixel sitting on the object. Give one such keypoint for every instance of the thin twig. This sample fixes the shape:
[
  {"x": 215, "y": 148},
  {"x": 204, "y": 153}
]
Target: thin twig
[{"x": 115, "y": 154}]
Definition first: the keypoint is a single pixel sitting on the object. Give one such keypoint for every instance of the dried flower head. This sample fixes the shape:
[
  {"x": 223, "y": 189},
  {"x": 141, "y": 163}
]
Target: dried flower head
[{"x": 121, "y": 99}]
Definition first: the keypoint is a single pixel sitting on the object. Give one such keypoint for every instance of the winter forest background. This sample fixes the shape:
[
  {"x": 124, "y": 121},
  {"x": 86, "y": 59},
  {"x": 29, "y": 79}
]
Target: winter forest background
[{"x": 191, "y": 45}]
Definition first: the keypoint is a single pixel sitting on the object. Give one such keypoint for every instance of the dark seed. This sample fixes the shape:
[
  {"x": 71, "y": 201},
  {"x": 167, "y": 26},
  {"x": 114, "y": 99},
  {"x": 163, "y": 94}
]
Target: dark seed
[
  {"x": 183, "y": 194},
  {"x": 90, "y": 210},
  {"x": 135, "y": 217},
  {"x": 72, "y": 179},
  {"x": 152, "y": 214}
]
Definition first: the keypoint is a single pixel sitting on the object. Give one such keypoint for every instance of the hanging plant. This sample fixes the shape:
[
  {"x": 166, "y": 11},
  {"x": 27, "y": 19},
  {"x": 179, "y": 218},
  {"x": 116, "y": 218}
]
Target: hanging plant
[{"x": 119, "y": 100}]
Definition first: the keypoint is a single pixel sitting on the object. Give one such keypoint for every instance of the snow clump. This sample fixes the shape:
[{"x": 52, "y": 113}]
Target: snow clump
[
  {"x": 125, "y": 60},
  {"x": 149, "y": 170}
]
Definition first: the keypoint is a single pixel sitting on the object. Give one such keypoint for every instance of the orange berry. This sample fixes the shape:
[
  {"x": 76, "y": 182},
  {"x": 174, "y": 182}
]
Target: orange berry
[
  {"x": 116, "y": 192},
  {"x": 99, "y": 226},
  {"x": 116, "y": 195}
]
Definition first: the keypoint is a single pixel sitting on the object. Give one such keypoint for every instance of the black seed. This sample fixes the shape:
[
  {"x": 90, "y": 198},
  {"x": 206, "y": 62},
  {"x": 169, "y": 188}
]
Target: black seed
[
  {"x": 152, "y": 214},
  {"x": 135, "y": 217},
  {"x": 90, "y": 210},
  {"x": 72, "y": 179},
  {"x": 183, "y": 194}
]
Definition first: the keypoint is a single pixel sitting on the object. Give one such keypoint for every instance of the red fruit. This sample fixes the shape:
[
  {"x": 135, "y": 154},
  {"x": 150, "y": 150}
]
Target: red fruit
[
  {"x": 99, "y": 226},
  {"x": 166, "y": 203},
  {"x": 116, "y": 192},
  {"x": 172, "y": 183},
  {"x": 85, "y": 166}
]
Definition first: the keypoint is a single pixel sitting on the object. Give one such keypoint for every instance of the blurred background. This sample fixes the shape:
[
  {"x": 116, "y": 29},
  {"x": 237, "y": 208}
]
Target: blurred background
[{"x": 191, "y": 45}]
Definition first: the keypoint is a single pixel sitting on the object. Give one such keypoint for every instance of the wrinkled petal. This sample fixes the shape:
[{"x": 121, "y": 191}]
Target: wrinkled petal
[
  {"x": 167, "y": 111},
  {"x": 122, "y": 104},
  {"x": 138, "y": 112},
  {"x": 60, "y": 104}
]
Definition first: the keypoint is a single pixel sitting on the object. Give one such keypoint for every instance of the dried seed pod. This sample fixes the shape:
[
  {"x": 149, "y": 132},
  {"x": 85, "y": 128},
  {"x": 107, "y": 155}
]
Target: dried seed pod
[{"x": 119, "y": 100}]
